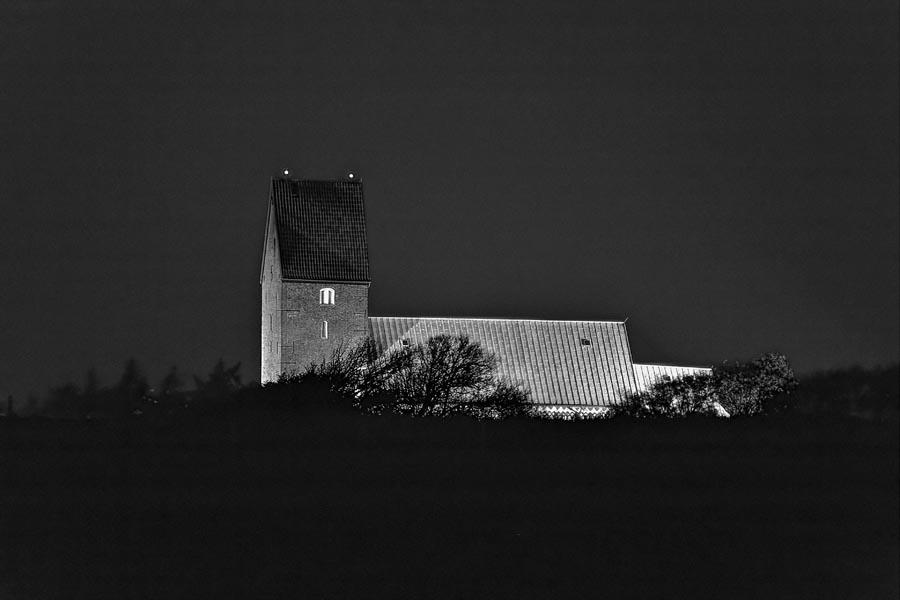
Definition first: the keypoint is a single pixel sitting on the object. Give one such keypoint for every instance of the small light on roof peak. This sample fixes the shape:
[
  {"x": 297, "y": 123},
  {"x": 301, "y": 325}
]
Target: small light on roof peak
[
  {"x": 286, "y": 172},
  {"x": 351, "y": 175}
]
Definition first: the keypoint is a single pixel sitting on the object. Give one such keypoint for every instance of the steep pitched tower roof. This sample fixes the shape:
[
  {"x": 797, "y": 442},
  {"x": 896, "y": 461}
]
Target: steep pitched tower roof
[{"x": 321, "y": 229}]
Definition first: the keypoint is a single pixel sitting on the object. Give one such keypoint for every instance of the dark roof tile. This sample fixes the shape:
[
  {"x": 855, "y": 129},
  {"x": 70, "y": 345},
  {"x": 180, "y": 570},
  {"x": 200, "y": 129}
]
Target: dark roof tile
[{"x": 321, "y": 230}]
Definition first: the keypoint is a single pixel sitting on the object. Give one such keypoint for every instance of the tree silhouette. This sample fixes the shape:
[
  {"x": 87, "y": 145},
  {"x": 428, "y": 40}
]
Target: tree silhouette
[
  {"x": 221, "y": 384},
  {"x": 132, "y": 387},
  {"x": 64, "y": 400},
  {"x": 91, "y": 382},
  {"x": 735, "y": 389},
  {"x": 748, "y": 388},
  {"x": 447, "y": 375},
  {"x": 444, "y": 376},
  {"x": 91, "y": 395},
  {"x": 171, "y": 384}
]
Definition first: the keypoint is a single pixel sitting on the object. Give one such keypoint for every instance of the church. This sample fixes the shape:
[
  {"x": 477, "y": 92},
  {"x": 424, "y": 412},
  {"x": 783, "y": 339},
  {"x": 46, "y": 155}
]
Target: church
[{"x": 315, "y": 297}]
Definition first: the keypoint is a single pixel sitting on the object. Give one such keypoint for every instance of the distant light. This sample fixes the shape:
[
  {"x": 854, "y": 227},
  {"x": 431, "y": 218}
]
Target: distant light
[
  {"x": 286, "y": 172},
  {"x": 350, "y": 175}
]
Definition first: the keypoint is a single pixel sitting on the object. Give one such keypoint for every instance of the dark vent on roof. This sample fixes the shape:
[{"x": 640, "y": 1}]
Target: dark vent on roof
[{"x": 321, "y": 230}]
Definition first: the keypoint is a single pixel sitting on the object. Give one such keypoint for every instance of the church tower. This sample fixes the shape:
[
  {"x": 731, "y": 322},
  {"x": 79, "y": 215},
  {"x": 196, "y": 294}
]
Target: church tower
[{"x": 315, "y": 273}]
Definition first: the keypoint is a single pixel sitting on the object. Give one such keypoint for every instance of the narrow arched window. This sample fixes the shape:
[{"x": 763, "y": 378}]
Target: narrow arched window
[
  {"x": 326, "y": 296},
  {"x": 324, "y": 330}
]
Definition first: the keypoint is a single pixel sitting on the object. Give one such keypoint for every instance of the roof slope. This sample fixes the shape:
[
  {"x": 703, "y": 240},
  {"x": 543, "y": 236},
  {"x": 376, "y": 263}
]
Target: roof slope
[
  {"x": 547, "y": 357},
  {"x": 321, "y": 230},
  {"x": 647, "y": 375}
]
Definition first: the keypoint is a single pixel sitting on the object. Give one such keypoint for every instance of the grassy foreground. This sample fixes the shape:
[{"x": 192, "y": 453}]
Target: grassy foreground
[{"x": 286, "y": 504}]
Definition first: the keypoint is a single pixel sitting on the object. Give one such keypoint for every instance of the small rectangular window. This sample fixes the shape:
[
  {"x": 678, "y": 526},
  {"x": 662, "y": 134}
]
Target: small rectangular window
[
  {"x": 324, "y": 330},
  {"x": 585, "y": 342}
]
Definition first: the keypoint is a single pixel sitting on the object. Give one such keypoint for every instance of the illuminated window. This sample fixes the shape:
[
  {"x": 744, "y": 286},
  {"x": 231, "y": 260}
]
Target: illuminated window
[
  {"x": 326, "y": 296},
  {"x": 324, "y": 330}
]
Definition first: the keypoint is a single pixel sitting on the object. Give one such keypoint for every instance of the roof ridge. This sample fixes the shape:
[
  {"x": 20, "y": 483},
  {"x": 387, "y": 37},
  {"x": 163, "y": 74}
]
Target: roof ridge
[
  {"x": 657, "y": 364},
  {"x": 282, "y": 178},
  {"x": 503, "y": 319}
]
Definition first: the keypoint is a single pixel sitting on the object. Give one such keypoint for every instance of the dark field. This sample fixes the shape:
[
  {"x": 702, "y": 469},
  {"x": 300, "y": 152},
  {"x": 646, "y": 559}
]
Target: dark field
[{"x": 278, "y": 504}]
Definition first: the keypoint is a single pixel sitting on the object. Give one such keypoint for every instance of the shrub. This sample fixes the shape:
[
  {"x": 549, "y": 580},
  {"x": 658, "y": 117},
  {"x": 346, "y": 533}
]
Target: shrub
[
  {"x": 735, "y": 389},
  {"x": 748, "y": 388},
  {"x": 448, "y": 375},
  {"x": 222, "y": 383}
]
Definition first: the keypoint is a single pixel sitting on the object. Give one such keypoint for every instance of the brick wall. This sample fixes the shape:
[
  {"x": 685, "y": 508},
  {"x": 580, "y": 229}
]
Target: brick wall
[
  {"x": 270, "y": 281},
  {"x": 302, "y": 316}
]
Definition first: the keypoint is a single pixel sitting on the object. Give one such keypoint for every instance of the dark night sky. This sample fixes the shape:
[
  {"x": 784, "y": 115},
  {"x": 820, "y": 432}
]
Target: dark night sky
[{"x": 725, "y": 174}]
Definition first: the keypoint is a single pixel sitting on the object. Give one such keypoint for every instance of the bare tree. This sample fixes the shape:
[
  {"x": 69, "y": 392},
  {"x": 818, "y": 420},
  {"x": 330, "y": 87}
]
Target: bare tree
[
  {"x": 451, "y": 375},
  {"x": 447, "y": 375}
]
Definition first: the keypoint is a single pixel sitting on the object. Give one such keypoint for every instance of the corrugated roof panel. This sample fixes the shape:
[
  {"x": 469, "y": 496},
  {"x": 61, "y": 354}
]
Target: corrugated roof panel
[
  {"x": 552, "y": 342},
  {"x": 646, "y": 375},
  {"x": 619, "y": 376},
  {"x": 571, "y": 369},
  {"x": 585, "y": 359},
  {"x": 605, "y": 378},
  {"x": 591, "y": 372},
  {"x": 602, "y": 377},
  {"x": 543, "y": 364},
  {"x": 545, "y": 356},
  {"x": 515, "y": 367},
  {"x": 611, "y": 379},
  {"x": 588, "y": 368},
  {"x": 518, "y": 354}
]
